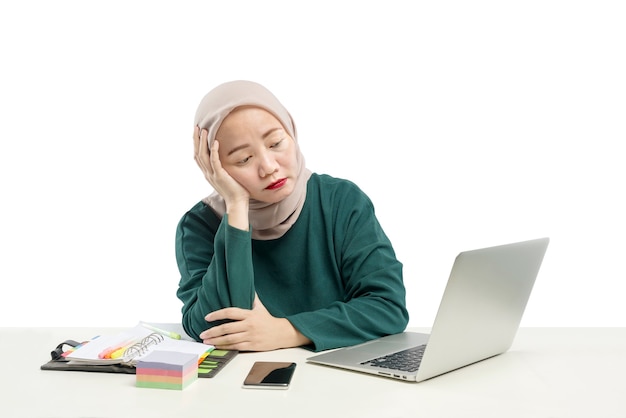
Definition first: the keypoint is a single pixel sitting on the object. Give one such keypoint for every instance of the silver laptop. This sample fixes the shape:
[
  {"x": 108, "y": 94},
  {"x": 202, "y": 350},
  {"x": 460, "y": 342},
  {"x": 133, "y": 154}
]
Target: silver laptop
[{"x": 478, "y": 317}]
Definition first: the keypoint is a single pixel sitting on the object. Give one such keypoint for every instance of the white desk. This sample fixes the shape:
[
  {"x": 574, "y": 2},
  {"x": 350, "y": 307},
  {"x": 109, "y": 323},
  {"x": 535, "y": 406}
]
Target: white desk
[{"x": 549, "y": 372}]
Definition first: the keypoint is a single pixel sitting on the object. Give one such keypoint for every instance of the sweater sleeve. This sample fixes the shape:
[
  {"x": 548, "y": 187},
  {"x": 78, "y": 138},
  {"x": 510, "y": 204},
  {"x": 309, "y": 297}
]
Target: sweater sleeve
[
  {"x": 215, "y": 267},
  {"x": 374, "y": 294}
]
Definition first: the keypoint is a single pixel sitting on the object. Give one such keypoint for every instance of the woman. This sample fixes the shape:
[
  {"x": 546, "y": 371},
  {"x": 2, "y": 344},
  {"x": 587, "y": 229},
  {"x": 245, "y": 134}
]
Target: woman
[{"x": 278, "y": 256}]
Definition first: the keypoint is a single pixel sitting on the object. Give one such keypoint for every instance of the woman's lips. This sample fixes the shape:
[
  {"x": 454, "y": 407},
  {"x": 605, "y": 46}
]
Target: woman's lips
[{"x": 277, "y": 184}]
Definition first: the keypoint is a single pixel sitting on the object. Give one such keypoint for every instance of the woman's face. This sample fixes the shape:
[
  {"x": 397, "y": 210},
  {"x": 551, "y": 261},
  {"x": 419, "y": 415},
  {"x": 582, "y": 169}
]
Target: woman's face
[{"x": 258, "y": 153}]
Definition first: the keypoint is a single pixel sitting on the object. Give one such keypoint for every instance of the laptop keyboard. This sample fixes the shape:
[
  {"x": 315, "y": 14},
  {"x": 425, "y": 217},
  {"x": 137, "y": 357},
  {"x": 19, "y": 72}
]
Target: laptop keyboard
[{"x": 406, "y": 360}]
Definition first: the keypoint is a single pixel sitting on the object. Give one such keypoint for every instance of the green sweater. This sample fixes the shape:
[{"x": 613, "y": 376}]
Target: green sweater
[{"x": 334, "y": 274}]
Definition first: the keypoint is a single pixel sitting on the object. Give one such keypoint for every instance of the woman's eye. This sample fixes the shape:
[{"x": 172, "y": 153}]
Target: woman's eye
[
  {"x": 242, "y": 162},
  {"x": 276, "y": 144}
]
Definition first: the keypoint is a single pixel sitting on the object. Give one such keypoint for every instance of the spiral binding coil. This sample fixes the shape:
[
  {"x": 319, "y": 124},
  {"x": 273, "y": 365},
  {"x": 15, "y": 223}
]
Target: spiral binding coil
[{"x": 142, "y": 346}]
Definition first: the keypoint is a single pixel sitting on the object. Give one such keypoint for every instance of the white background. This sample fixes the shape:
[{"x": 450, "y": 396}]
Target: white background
[{"x": 469, "y": 124}]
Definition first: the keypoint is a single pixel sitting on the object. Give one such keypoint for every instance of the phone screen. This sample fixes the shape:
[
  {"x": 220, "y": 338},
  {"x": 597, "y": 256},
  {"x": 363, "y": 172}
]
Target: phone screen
[{"x": 269, "y": 375}]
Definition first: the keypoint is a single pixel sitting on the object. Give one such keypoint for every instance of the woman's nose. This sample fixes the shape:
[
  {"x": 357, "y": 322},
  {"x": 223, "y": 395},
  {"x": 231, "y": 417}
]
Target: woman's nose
[{"x": 268, "y": 165}]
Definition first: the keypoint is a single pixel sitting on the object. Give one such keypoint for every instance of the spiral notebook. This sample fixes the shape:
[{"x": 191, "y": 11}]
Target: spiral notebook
[{"x": 131, "y": 346}]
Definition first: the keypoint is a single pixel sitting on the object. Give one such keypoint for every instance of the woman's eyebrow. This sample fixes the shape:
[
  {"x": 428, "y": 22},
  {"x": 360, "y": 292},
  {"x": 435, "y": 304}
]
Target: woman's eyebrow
[
  {"x": 269, "y": 132},
  {"x": 232, "y": 151}
]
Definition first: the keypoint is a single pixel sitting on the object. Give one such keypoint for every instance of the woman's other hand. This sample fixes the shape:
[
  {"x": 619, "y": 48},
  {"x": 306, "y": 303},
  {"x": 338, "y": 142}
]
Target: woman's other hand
[{"x": 251, "y": 330}]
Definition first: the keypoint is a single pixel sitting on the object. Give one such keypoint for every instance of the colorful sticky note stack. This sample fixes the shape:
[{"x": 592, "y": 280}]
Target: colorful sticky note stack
[{"x": 167, "y": 370}]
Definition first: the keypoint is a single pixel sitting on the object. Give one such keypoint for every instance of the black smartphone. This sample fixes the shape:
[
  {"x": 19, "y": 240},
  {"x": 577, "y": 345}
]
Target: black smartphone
[{"x": 269, "y": 375}]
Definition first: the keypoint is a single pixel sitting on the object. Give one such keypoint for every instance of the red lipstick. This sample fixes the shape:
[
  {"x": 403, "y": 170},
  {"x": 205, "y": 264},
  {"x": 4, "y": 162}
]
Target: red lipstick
[{"x": 277, "y": 184}]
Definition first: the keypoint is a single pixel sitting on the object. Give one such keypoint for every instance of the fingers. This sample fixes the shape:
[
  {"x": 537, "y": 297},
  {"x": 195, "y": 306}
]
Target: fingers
[
  {"x": 214, "y": 156},
  {"x": 196, "y": 140},
  {"x": 229, "y": 328},
  {"x": 228, "y": 333},
  {"x": 235, "y": 314},
  {"x": 201, "y": 150},
  {"x": 229, "y": 342},
  {"x": 226, "y": 336}
]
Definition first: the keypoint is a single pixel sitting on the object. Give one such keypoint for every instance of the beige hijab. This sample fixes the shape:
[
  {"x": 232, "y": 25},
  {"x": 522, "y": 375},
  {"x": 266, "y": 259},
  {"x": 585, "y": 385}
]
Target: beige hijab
[{"x": 268, "y": 220}]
